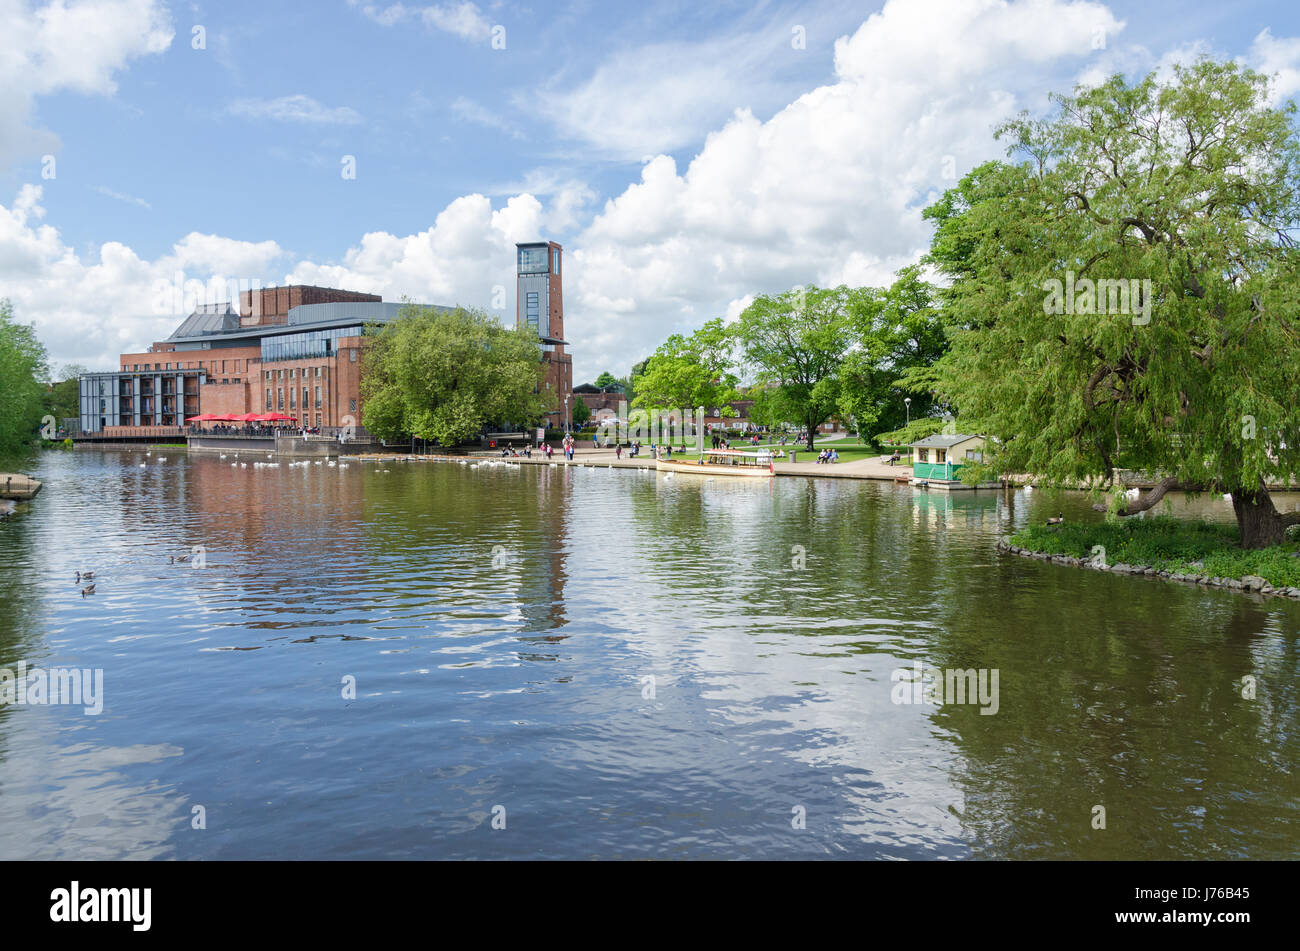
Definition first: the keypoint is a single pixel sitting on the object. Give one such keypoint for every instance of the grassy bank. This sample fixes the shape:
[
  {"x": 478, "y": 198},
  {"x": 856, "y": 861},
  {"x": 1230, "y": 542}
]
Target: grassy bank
[{"x": 1178, "y": 546}]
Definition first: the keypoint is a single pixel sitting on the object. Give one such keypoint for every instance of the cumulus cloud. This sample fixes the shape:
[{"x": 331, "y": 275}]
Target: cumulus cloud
[
  {"x": 296, "y": 108},
  {"x": 830, "y": 189},
  {"x": 61, "y": 46},
  {"x": 89, "y": 309}
]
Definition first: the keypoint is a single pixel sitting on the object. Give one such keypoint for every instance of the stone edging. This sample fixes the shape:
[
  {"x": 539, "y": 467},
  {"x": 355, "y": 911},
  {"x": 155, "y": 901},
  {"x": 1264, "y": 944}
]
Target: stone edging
[{"x": 1252, "y": 584}]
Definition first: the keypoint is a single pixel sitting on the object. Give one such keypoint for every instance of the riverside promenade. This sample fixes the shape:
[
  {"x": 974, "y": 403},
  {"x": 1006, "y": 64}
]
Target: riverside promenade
[{"x": 877, "y": 468}]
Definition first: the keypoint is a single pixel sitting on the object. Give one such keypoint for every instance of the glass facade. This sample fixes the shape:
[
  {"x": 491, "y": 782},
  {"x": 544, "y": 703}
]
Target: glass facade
[
  {"x": 532, "y": 260},
  {"x": 531, "y": 309},
  {"x": 317, "y": 343}
]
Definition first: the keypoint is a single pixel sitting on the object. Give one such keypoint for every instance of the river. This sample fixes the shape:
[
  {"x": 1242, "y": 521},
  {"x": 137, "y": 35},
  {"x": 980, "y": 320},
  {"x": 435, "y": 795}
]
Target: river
[{"x": 430, "y": 660}]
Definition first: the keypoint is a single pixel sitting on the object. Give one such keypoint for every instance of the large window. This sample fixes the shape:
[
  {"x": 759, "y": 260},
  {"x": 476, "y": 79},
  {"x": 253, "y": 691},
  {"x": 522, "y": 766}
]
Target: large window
[
  {"x": 318, "y": 397},
  {"x": 317, "y": 343},
  {"x": 532, "y": 260},
  {"x": 531, "y": 305},
  {"x": 555, "y": 261}
]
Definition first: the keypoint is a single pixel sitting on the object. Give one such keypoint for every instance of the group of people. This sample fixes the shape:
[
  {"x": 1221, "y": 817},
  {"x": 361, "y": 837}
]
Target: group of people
[
  {"x": 251, "y": 429},
  {"x": 828, "y": 456},
  {"x": 527, "y": 453}
]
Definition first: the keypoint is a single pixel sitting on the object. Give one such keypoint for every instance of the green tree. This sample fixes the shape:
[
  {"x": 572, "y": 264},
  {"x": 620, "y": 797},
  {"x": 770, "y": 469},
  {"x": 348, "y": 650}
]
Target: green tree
[
  {"x": 799, "y": 339},
  {"x": 63, "y": 401},
  {"x": 580, "y": 412},
  {"x": 688, "y": 372},
  {"x": 607, "y": 379},
  {"x": 445, "y": 375},
  {"x": 23, "y": 371},
  {"x": 1123, "y": 297},
  {"x": 899, "y": 337},
  {"x": 769, "y": 407}
]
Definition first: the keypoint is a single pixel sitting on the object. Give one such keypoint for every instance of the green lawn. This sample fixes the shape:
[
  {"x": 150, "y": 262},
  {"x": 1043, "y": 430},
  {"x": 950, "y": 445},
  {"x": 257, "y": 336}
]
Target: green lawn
[{"x": 1169, "y": 544}]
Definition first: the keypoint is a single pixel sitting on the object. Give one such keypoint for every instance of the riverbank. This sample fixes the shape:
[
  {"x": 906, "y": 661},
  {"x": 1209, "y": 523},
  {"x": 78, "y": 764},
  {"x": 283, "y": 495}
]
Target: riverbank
[
  {"x": 876, "y": 469},
  {"x": 1191, "y": 552}
]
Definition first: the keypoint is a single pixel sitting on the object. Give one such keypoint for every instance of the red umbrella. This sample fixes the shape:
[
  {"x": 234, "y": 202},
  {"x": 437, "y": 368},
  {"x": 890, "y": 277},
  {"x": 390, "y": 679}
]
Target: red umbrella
[
  {"x": 202, "y": 418},
  {"x": 246, "y": 418},
  {"x": 224, "y": 418},
  {"x": 274, "y": 418}
]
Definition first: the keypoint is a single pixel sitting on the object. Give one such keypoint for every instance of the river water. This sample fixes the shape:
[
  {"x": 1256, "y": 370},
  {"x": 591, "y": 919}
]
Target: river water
[{"x": 583, "y": 663}]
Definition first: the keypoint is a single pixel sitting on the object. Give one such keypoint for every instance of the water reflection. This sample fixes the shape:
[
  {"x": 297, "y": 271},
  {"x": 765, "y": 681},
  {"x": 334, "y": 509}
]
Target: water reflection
[{"x": 632, "y": 665}]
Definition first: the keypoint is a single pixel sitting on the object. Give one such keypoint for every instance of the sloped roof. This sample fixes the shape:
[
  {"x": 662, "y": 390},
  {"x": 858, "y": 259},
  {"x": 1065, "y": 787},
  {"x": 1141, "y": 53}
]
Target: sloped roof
[
  {"x": 942, "y": 441},
  {"x": 208, "y": 319}
]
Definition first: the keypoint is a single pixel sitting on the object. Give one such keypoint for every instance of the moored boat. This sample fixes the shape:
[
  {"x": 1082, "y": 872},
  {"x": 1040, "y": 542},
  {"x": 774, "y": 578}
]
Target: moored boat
[{"x": 725, "y": 462}]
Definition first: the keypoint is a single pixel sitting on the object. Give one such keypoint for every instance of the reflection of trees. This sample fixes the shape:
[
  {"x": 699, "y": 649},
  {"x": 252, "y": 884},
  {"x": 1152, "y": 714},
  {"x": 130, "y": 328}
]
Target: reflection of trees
[
  {"x": 433, "y": 530},
  {"x": 1142, "y": 715},
  {"x": 20, "y": 603}
]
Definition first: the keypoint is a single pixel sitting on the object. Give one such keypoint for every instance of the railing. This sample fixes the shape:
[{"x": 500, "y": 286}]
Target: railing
[{"x": 136, "y": 432}]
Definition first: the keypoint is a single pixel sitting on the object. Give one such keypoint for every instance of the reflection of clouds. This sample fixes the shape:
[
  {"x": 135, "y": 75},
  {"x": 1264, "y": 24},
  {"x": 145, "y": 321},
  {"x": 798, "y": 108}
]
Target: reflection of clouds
[
  {"x": 788, "y": 664},
  {"x": 72, "y": 803}
]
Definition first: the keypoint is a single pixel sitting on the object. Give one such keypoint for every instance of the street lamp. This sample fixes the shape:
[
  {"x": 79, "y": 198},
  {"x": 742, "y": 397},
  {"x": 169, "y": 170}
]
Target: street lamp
[
  {"x": 567, "y": 427},
  {"x": 907, "y": 405}
]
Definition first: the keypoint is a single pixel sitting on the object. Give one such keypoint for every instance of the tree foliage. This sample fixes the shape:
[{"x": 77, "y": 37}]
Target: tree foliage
[
  {"x": 799, "y": 339},
  {"x": 1190, "y": 185},
  {"x": 688, "y": 372},
  {"x": 23, "y": 370},
  {"x": 445, "y": 375},
  {"x": 898, "y": 336}
]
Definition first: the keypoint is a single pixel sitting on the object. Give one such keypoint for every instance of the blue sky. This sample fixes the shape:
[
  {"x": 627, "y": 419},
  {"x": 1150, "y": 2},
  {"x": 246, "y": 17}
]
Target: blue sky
[{"x": 612, "y": 128}]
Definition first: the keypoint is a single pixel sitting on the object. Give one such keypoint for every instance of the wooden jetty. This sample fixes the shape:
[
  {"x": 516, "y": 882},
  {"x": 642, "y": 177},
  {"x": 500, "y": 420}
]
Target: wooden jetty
[{"x": 18, "y": 488}]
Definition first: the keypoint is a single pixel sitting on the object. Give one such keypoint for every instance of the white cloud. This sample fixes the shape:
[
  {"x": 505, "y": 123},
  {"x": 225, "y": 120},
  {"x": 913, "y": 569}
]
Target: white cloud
[
  {"x": 89, "y": 310},
  {"x": 296, "y": 108},
  {"x": 1278, "y": 57},
  {"x": 466, "y": 254},
  {"x": 664, "y": 96},
  {"x": 471, "y": 111},
  {"x": 465, "y": 20},
  {"x": 119, "y": 196},
  {"x": 830, "y": 188},
  {"x": 61, "y": 46}
]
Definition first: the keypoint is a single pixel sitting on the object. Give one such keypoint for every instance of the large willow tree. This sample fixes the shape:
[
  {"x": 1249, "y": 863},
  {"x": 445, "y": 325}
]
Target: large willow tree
[
  {"x": 1188, "y": 190},
  {"x": 446, "y": 374}
]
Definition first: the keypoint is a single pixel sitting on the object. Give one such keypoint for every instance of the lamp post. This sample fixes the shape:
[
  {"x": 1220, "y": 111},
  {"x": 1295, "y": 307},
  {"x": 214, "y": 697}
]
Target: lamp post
[
  {"x": 568, "y": 428},
  {"x": 907, "y": 405}
]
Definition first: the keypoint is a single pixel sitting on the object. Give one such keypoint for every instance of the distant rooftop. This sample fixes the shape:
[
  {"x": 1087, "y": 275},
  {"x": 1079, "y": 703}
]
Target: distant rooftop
[{"x": 213, "y": 320}]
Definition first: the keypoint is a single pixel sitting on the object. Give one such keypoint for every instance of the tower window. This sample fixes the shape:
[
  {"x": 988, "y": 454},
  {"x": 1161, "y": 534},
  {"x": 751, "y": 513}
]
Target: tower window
[{"x": 531, "y": 306}]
